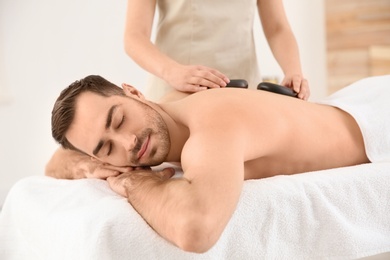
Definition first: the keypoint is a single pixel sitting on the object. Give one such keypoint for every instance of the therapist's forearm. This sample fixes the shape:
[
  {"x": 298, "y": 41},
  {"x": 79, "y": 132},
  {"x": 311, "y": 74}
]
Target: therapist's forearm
[
  {"x": 147, "y": 55},
  {"x": 285, "y": 50}
]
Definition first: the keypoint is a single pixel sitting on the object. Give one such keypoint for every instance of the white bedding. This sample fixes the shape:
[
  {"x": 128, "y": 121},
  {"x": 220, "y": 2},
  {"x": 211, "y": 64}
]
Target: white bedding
[
  {"x": 341, "y": 213},
  {"x": 368, "y": 101}
]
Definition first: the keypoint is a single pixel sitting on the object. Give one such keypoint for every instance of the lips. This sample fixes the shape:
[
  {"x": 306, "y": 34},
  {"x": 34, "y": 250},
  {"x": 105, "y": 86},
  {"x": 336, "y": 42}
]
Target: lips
[{"x": 143, "y": 149}]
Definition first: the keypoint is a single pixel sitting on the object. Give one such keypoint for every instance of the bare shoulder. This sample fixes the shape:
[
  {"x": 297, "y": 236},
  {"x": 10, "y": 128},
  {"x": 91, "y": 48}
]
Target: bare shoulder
[
  {"x": 235, "y": 104},
  {"x": 227, "y": 116},
  {"x": 210, "y": 106}
]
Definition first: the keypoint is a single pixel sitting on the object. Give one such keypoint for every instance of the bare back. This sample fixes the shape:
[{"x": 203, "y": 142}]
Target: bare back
[{"x": 280, "y": 135}]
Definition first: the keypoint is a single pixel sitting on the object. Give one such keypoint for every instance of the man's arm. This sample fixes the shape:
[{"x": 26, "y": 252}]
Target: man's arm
[
  {"x": 191, "y": 211},
  {"x": 69, "y": 164}
]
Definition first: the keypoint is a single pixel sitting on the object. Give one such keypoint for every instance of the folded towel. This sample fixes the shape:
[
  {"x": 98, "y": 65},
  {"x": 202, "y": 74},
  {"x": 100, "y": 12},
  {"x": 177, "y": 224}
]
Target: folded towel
[
  {"x": 368, "y": 101},
  {"x": 341, "y": 213}
]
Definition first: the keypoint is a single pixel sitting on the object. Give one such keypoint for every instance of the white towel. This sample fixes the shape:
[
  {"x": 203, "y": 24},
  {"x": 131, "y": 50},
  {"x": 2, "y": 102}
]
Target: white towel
[
  {"x": 333, "y": 214},
  {"x": 368, "y": 101}
]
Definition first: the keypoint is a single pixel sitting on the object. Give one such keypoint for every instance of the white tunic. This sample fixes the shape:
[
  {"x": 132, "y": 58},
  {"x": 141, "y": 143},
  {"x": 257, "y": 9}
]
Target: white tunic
[{"x": 213, "y": 33}]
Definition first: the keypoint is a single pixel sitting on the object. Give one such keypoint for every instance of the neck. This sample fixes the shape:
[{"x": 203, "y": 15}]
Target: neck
[{"x": 178, "y": 132}]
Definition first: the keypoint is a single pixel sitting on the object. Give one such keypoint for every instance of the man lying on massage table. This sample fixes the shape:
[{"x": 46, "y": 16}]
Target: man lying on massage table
[{"x": 221, "y": 137}]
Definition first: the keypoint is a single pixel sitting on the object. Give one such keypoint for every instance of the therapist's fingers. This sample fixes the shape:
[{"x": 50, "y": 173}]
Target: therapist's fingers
[
  {"x": 194, "y": 78},
  {"x": 299, "y": 84},
  {"x": 202, "y": 76},
  {"x": 197, "y": 83},
  {"x": 304, "y": 90},
  {"x": 217, "y": 77},
  {"x": 296, "y": 84},
  {"x": 293, "y": 82}
]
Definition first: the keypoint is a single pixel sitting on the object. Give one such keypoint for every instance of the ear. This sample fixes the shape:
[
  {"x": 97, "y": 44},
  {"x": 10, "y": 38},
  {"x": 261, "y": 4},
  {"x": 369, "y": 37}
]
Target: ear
[{"x": 132, "y": 91}]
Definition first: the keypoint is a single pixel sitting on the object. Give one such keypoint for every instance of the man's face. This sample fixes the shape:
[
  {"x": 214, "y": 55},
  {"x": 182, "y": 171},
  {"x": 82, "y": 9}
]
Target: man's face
[{"x": 119, "y": 130}]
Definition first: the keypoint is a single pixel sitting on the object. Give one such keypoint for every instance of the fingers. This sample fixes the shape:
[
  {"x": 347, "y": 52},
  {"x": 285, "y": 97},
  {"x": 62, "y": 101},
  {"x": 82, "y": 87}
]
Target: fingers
[
  {"x": 296, "y": 84},
  {"x": 304, "y": 92},
  {"x": 102, "y": 173},
  {"x": 127, "y": 182},
  {"x": 197, "y": 78},
  {"x": 166, "y": 173},
  {"x": 208, "y": 77},
  {"x": 220, "y": 76},
  {"x": 118, "y": 168},
  {"x": 104, "y": 170},
  {"x": 117, "y": 186},
  {"x": 299, "y": 84},
  {"x": 140, "y": 172}
]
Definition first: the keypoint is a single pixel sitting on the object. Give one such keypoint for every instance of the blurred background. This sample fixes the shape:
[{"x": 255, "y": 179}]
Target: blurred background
[
  {"x": 47, "y": 44},
  {"x": 358, "y": 40}
]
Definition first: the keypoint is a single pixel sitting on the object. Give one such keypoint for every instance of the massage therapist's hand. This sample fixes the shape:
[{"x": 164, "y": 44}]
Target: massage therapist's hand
[
  {"x": 138, "y": 179},
  {"x": 298, "y": 84},
  {"x": 194, "y": 78}
]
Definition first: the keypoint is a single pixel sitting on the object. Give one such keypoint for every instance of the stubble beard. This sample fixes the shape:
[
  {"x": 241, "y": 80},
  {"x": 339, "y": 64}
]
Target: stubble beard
[{"x": 159, "y": 132}]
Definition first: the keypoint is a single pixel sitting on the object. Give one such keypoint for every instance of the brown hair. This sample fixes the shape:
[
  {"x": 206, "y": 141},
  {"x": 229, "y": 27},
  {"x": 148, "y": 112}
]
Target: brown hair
[{"x": 64, "y": 107}]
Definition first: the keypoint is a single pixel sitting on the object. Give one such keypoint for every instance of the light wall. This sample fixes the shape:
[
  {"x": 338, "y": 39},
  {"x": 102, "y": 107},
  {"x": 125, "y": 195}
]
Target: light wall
[{"x": 47, "y": 44}]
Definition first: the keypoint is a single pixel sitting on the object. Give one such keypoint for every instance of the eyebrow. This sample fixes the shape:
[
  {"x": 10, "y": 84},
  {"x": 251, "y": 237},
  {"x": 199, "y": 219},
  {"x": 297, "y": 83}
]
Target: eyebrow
[
  {"x": 108, "y": 124},
  {"x": 109, "y": 116}
]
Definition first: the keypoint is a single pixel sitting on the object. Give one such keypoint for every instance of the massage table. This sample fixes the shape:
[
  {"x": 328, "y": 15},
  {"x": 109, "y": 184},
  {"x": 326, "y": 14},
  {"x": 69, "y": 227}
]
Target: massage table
[{"x": 341, "y": 213}]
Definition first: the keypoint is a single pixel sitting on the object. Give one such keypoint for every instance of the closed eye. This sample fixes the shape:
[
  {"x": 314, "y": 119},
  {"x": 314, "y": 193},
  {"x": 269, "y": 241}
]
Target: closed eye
[
  {"x": 110, "y": 145},
  {"x": 121, "y": 122},
  {"x": 109, "y": 149}
]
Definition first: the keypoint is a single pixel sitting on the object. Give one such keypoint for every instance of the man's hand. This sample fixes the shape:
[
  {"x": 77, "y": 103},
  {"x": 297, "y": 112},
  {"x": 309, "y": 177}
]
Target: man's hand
[
  {"x": 69, "y": 164},
  {"x": 95, "y": 169},
  {"x": 126, "y": 183},
  {"x": 194, "y": 78},
  {"x": 298, "y": 84}
]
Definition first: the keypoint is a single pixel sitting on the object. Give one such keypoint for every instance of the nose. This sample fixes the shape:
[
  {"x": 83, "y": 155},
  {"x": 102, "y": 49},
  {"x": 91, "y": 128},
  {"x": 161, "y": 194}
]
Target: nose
[{"x": 127, "y": 141}]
